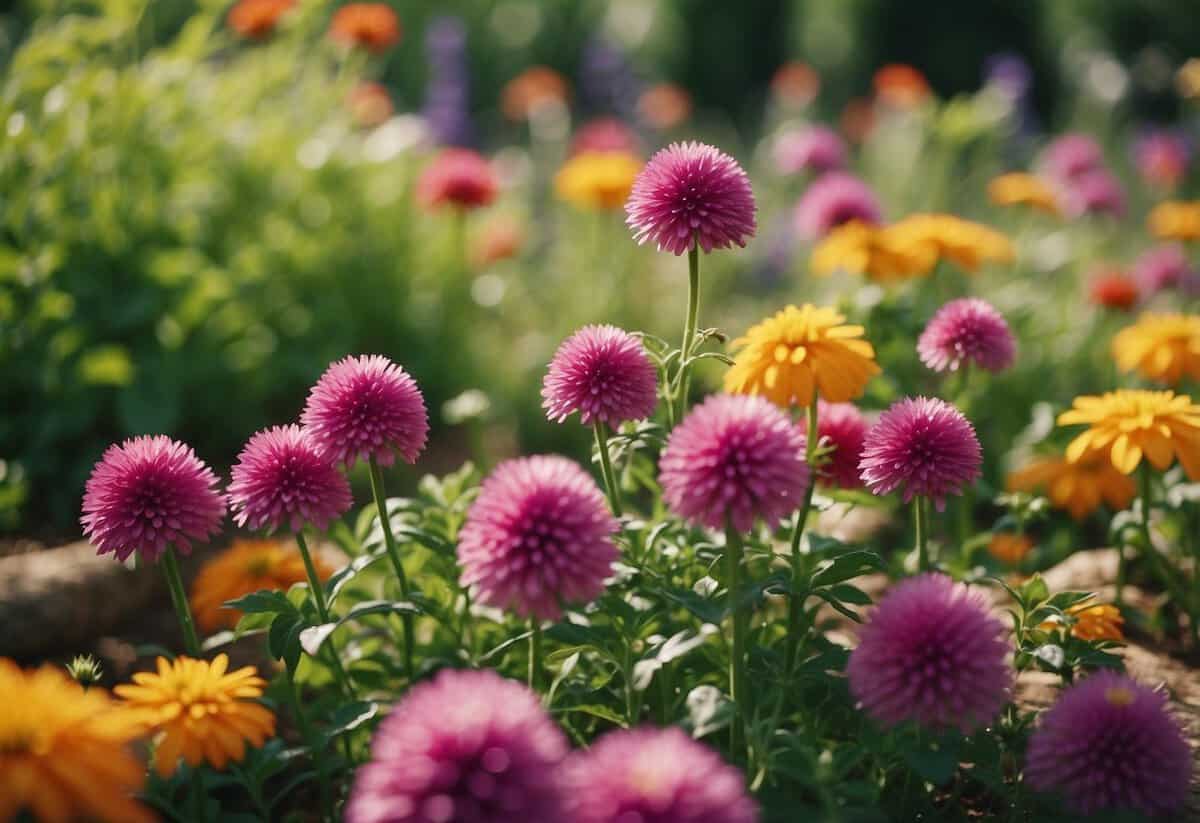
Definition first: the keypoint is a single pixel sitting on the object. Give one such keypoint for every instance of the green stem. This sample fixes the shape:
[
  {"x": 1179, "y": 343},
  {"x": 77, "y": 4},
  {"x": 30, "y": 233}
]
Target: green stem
[
  {"x": 796, "y": 627},
  {"x": 197, "y": 793},
  {"x": 535, "y": 653},
  {"x": 734, "y": 553},
  {"x": 318, "y": 593},
  {"x": 631, "y": 700},
  {"x": 170, "y": 564},
  {"x": 689, "y": 328},
  {"x": 393, "y": 552},
  {"x": 606, "y": 467},
  {"x": 921, "y": 517},
  {"x": 318, "y": 755}
]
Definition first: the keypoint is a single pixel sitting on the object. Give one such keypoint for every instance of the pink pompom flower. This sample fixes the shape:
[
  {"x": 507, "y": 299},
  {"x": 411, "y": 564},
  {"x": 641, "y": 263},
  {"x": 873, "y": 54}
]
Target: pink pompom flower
[
  {"x": 921, "y": 446},
  {"x": 149, "y": 493},
  {"x": 457, "y": 177},
  {"x": 1071, "y": 156},
  {"x": 1162, "y": 157},
  {"x": 815, "y": 149},
  {"x": 603, "y": 373},
  {"x": 1165, "y": 267},
  {"x": 653, "y": 775},
  {"x": 968, "y": 331},
  {"x": 282, "y": 479},
  {"x": 842, "y": 426},
  {"x": 832, "y": 200},
  {"x": 932, "y": 653},
  {"x": 1095, "y": 192},
  {"x": 735, "y": 457},
  {"x": 539, "y": 535},
  {"x": 691, "y": 194},
  {"x": 604, "y": 134},
  {"x": 366, "y": 407},
  {"x": 467, "y": 745},
  {"x": 1110, "y": 743}
]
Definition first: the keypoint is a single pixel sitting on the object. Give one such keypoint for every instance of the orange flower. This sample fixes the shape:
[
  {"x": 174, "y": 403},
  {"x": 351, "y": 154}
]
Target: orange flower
[
  {"x": 246, "y": 566},
  {"x": 1020, "y": 189},
  {"x": 1161, "y": 347},
  {"x": 1102, "y": 622},
  {"x": 255, "y": 19},
  {"x": 373, "y": 26},
  {"x": 963, "y": 242},
  {"x": 370, "y": 104},
  {"x": 530, "y": 90},
  {"x": 796, "y": 84},
  {"x": 1128, "y": 424},
  {"x": 1175, "y": 220},
  {"x": 1078, "y": 487},
  {"x": 879, "y": 253},
  {"x": 857, "y": 120},
  {"x": 901, "y": 86},
  {"x": 664, "y": 106},
  {"x": 1010, "y": 548},
  {"x": 500, "y": 239},
  {"x": 1114, "y": 289}
]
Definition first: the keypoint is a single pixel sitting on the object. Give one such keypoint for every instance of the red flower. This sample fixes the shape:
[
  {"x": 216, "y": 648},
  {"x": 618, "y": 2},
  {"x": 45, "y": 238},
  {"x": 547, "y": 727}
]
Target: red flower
[
  {"x": 458, "y": 177},
  {"x": 1114, "y": 290},
  {"x": 374, "y": 26},
  {"x": 256, "y": 19}
]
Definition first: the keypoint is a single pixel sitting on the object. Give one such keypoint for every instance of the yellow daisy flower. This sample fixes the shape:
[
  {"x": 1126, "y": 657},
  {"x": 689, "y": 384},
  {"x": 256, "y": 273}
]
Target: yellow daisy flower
[
  {"x": 1010, "y": 548},
  {"x": 878, "y": 253},
  {"x": 1127, "y": 424},
  {"x": 800, "y": 352},
  {"x": 967, "y": 244},
  {"x": 63, "y": 750},
  {"x": 1175, "y": 220},
  {"x": 597, "y": 179},
  {"x": 1021, "y": 189},
  {"x": 1162, "y": 347},
  {"x": 1080, "y": 487},
  {"x": 199, "y": 711}
]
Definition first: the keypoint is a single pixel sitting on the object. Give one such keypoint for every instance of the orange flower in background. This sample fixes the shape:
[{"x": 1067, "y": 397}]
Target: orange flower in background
[
  {"x": 795, "y": 84},
  {"x": 664, "y": 106},
  {"x": 1010, "y": 548},
  {"x": 370, "y": 104},
  {"x": 598, "y": 180},
  {"x": 256, "y": 19},
  {"x": 1079, "y": 488},
  {"x": 1175, "y": 220},
  {"x": 798, "y": 353},
  {"x": 879, "y": 253},
  {"x": 500, "y": 239},
  {"x": 246, "y": 566},
  {"x": 969, "y": 245},
  {"x": 1129, "y": 424},
  {"x": 1021, "y": 189},
  {"x": 64, "y": 751},
  {"x": 900, "y": 86},
  {"x": 199, "y": 711},
  {"x": 372, "y": 26},
  {"x": 1102, "y": 622},
  {"x": 530, "y": 90},
  {"x": 1114, "y": 289},
  {"x": 1161, "y": 347},
  {"x": 857, "y": 120}
]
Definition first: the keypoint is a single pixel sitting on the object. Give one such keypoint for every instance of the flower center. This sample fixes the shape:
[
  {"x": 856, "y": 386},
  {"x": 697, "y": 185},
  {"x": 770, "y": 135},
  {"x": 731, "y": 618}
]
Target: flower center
[{"x": 1118, "y": 696}]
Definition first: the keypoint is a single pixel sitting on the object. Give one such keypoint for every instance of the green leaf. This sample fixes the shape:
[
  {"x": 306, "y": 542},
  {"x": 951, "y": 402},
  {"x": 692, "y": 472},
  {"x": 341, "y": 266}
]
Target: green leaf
[
  {"x": 935, "y": 764},
  {"x": 345, "y": 575},
  {"x": 846, "y": 566},
  {"x": 350, "y": 716},
  {"x": 1034, "y": 591},
  {"x": 312, "y": 638},
  {"x": 595, "y": 710},
  {"x": 851, "y": 594},
  {"x": 265, "y": 601},
  {"x": 709, "y": 710}
]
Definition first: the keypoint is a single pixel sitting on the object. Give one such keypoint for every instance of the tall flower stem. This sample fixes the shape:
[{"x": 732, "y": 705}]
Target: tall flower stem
[
  {"x": 689, "y": 329},
  {"x": 796, "y": 627},
  {"x": 606, "y": 467},
  {"x": 170, "y": 564},
  {"x": 306, "y": 732},
  {"x": 921, "y": 524},
  {"x": 393, "y": 552},
  {"x": 739, "y": 617},
  {"x": 318, "y": 594},
  {"x": 535, "y": 653}
]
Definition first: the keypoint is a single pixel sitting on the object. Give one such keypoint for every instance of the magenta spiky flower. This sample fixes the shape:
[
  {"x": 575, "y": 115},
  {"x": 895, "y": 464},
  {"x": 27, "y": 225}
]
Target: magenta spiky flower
[
  {"x": 921, "y": 446},
  {"x": 1165, "y": 267},
  {"x": 1111, "y": 743},
  {"x": 691, "y": 193},
  {"x": 148, "y": 493},
  {"x": 539, "y": 535},
  {"x": 843, "y": 427},
  {"x": 364, "y": 407},
  {"x": 1096, "y": 192},
  {"x": 737, "y": 457},
  {"x": 932, "y": 653},
  {"x": 603, "y": 373},
  {"x": 282, "y": 479},
  {"x": 968, "y": 331},
  {"x": 457, "y": 177},
  {"x": 1071, "y": 156},
  {"x": 815, "y": 149},
  {"x": 465, "y": 746},
  {"x": 1162, "y": 157},
  {"x": 653, "y": 775},
  {"x": 832, "y": 200}
]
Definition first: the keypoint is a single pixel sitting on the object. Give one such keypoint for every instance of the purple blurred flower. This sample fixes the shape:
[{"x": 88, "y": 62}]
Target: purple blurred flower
[
  {"x": 282, "y": 479},
  {"x": 1165, "y": 267},
  {"x": 603, "y": 373},
  {"x": 447, "y": 93},
  {"x": 364, "y": 407},
  {"x": 1009, "y": 73},
  {"x": 814, "y": 149},
  {"x": 736, "y": 457},
  {"x": 149, "y": 493},
  {"x": 1162, "y": 157},
  {"x": 606, "y": 81},
  {"x": 1095, "y": 192},
  {"x": 845, "y": 428},
  {"x": 932, "y": 653},
  {"x": 834, "y": 199},
  {"x": 539, "y": 535},
  {"x": 1071, "y": 156},
  {"x": 1111, "y": 743},
  {"x": 691, "y": 193},
  {"x": 650, "y": 775},
  {"x": 465, "y": 746},
  {"x": 967, "y": 331},
  {"x": 921, "y": 446}
]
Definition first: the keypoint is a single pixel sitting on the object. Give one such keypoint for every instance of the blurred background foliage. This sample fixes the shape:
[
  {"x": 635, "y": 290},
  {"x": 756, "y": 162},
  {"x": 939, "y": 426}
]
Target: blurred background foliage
[{"x": 193, "y": 226}]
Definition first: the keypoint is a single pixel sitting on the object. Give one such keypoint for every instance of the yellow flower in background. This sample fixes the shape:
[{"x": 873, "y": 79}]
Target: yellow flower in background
[
  {"x": 1128, "y": 424},
  {"x": 800, "y": 352},
  {"x": 597, "y": 179},
  {"x": 201, "y": 713},
  {"x": 1162, "y": 347},
  {"x": 1079, "y": 487},
  {"x": 1102, "y": 622},
  {"x": 963, "y": 242},
  {"x": 1010, "y": 548},
  {"x": 246, "y": 566},
  {"x": 1175, "y": 220},
  {"x": 1187, "y": 79},
  {"x": 63, "y": 750},
  {"x": 1021, "y": 189},
  {"x": 878, "y": 253}
]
